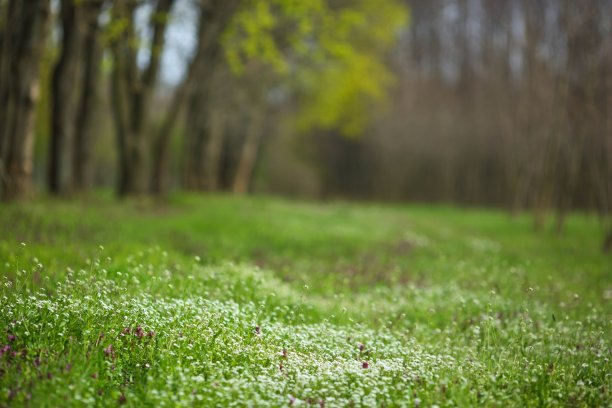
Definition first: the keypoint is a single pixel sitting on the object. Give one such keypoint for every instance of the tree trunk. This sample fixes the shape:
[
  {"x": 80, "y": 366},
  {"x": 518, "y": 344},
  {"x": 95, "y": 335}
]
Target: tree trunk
[
  {"x": 161, "y": 146},
  {"x": 248, "y": 156},
  {"x": 119, "y": 94},
  {"x": 215, "y": 17},
  {"x": 4, "y": 89},
  {"x": 607, "y": 244},
  {"x": 25, "y": 32},
  {"x": 131, "y": 93},
  {"x": 197, "y": 128},
  {"x": 85, "y": 126},
  {"x": 130, "y": 156},
  {"x": 214, "y": 149},
  {"x": 64, "y": 98},
  {"x": 193, "y": 134}
]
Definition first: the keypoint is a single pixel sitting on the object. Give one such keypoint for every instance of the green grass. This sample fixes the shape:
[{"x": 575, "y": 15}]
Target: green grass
[{"x": 223, "y": 301}]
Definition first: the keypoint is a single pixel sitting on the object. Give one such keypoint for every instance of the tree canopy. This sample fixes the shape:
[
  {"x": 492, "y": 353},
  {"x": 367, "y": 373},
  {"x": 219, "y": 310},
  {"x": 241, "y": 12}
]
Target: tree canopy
[{"x": 331, "y": 52}]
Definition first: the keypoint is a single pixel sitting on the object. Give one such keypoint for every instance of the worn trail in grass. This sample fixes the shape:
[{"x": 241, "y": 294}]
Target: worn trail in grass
[{"x": 259, "y": 301}]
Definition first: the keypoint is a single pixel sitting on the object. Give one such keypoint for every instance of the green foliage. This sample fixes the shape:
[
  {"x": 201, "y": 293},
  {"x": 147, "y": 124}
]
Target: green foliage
[
  {"x": 221, "y": 301},
  {"x": 255, "y": 30},
  {"x": 116, "y": 28},
  {"x": 250, "y": 36},
  {"x": 333, "y": 54},
  {"x": 350, "y": 79}
]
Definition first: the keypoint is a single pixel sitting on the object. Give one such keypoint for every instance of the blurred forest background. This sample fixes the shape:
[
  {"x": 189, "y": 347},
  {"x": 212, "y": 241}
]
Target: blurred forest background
[{"x": 504, "y": 103}]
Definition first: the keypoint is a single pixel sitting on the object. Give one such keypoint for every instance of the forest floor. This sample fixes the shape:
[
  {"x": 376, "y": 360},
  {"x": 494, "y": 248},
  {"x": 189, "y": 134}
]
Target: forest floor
[{"x": 223, "y": 301}]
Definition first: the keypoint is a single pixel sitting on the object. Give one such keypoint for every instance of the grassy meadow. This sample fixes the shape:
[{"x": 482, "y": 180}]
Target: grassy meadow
[{"x": 225, "y": 301}]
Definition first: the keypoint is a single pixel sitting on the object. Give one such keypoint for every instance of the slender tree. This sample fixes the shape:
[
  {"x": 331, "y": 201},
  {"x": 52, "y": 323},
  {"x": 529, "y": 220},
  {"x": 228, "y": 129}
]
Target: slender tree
[
  {"x": 249, "y": 152},
  {"x": 132, "y": 90},
  {"x": 24, "y": 31},
  {"x": 213, "y": 19},
  {"x": 85, "y": 126},
  {"x": 64, "y": 106}
]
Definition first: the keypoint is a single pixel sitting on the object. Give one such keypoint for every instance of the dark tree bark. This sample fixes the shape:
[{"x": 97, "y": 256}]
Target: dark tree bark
[
  {"x": 607, "y": 244},
  {"x": 64, "y": 98},
  {"x": 196, "y": 134},
  {"x": 131, "y": 92},
  {"x": 218, "y": 15},
  {"x": 4, "y": 89},
  {"x": 87, "y": 104},
  {"x": 25, "y": 31}
]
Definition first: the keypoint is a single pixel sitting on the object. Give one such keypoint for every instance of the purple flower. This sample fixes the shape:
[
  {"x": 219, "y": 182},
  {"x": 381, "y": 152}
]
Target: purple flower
[
  {"x": 5, "y": 349},
  {"x": 126, "y": 330},
  {"x": 257, "y": 329},
  {"x": 365, "y": 364},
  {"x": 37, "y": 361},
  {"x": 109, "y": 351},
  {"x": 361, "y": 347},
  {"x": 11, "y": 338},
  {"x": 138, "y": 332},
  {"x": 151, "y": 333}
]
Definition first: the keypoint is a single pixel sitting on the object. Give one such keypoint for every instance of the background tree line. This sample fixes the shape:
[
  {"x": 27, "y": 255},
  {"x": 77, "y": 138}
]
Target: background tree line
[
  {"x": 504, "y": 103},
  {"x": 99, "y": 61},
  {"x": 482, "y": 102}
]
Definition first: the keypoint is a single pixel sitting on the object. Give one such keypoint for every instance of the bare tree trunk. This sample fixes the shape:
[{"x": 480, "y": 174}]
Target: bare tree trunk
[
  {"x": 4, "y": 87},
  {"x": 120, "y": 95},
  {"x": 214, "y": 149},
  {"x": 85, "y": 126},
  {"x": 605, "y": 175},
  {"x": 131, "y": 92},
  {"x": 161, "y": 146},
  {"x": 215, "y": 18},
  {"x": 64, "y": 98},
  {"x": 26, "y": 28},
  {"x": 248, "y": 155},
  {"x": 607, "y": 243},
  {"x": 195, "y": 122}
]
